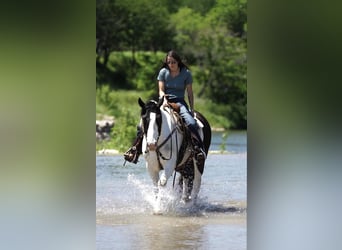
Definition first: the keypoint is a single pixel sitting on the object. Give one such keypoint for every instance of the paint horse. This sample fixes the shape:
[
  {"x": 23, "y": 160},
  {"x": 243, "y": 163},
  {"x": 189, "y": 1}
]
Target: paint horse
[{"x": 167, "y": 147}]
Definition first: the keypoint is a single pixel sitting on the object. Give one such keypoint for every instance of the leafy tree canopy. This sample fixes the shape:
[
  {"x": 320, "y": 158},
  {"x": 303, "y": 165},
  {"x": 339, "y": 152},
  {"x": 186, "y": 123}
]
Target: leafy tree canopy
[{"x": 211, "y": 35}]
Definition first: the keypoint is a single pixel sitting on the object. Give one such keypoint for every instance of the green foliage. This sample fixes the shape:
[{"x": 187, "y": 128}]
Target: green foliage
[
  {"x": 121, "y": 74},
  {"x": 224, "y": 141},
  {"x": 111, "y": 19},
  {"x": 200, "y": 6},
  {"x": 148, "y": 66},
  {"x": 125, "y": 131},
  {"x": 187, "y": 23},
  {"x": 217, "y": 48},
  {"x": 131, "y": 25},
  {"x": 216, "y": 114},
  {"x": 232, "y": 14},
  {"x": 123, "y": 105}
]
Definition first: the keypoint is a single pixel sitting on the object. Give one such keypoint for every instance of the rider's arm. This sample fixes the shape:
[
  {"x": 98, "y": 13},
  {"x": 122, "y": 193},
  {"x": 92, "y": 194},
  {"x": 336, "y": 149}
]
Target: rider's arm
[
  {"x": 161, "y": 88},
  {"x": 190, "y": 97}
]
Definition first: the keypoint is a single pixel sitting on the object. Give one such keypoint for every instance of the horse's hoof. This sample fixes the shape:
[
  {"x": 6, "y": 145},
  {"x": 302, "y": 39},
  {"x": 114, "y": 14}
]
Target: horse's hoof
[
  {"x": 157, "y": 213},
  {"x": 185, "y": 199},
  {"x": 157, "y": 210},
  {"x": 162, "y": 181}
]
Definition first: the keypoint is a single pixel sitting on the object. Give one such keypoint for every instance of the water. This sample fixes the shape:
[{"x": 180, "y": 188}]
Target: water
[{"x": 125, "y": 200}]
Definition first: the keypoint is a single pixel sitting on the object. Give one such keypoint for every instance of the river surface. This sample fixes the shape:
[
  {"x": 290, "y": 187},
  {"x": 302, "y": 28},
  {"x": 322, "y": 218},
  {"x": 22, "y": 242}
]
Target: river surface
[{"x": 124, "y": 204}]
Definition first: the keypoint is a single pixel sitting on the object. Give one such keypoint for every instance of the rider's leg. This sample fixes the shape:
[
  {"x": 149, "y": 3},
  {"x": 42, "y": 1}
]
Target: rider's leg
[
  {"x": 193, "y": 127},
  {"x": 197, "y": 140}
]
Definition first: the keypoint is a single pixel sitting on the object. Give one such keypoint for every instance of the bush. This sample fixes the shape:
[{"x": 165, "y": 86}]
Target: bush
[
  {"x": 132, "y": 72},
  {"x": 123, "y": 105}
]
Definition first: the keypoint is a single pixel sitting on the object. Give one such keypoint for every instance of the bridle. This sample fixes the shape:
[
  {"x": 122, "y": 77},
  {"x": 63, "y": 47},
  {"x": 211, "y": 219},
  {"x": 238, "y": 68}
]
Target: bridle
[{"x": 145, "y": 125}]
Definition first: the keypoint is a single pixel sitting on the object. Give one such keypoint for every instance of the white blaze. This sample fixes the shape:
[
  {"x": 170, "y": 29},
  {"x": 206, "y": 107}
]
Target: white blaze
[{"x": 152, "y": 131}]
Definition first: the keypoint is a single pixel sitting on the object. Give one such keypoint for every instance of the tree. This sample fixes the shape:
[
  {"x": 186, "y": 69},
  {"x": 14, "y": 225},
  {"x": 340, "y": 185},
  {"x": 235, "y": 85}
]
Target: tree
[
  {"x": 224, "y": 74},
  {"x": 232, "y": 13},
  {"x": 110, "y": 28},
  {"x": 199, "y": 6},
  {"x": 129, "y": 25},
  {"x": 221, "y": 56},
  {"x": 187, "y": 24}
]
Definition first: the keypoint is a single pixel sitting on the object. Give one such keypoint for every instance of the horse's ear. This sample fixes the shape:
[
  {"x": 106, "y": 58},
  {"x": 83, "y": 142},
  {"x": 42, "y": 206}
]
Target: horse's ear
[
  {"x": 141, "y": 103},
  {"x": 160, "y": 102}
]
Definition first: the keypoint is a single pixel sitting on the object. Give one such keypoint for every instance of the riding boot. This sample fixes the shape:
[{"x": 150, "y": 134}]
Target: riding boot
[
  {"x": 199, "y": 153},
  {"x": 133, "y": 153},
  {"x": 198, "y": 147}
]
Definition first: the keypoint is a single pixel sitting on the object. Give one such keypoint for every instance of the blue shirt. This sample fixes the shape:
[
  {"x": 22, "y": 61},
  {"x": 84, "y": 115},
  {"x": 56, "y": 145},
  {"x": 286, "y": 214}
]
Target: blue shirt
[{"x": 175, "y": 86}]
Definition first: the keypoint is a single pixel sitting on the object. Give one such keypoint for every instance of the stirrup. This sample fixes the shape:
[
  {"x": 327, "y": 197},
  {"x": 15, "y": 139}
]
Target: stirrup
[
  {"x": 132, "y": 155},
  {"x": 200, "y": 155}
]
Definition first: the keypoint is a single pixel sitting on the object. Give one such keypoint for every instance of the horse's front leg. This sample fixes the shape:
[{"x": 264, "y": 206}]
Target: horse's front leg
[
  {"x": 188, "y": 178},
  {"x": 154, "y": 174},
  {"x": 197, "y": 177},
  {"x": 169, "y": 167},
  {"x": 186, "y": 190},
  {"x": 153, "y": 169}
]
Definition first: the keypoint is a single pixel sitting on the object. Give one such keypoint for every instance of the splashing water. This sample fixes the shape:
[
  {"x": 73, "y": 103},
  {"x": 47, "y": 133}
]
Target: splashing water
[
  {"x": 162, "y": 201},
  {"x": 168, "y": 201}
]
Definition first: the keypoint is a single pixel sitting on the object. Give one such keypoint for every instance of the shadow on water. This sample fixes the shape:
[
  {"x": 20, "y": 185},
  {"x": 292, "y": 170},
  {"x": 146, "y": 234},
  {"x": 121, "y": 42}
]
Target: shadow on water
[
  {"x": 219, "y": 208},
  {"x": 203, "y": 208}
]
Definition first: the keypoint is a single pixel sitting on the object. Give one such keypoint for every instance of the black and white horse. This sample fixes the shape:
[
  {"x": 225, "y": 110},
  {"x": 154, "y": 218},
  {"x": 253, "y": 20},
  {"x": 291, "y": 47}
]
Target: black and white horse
[{"x": 167, "y": 148}]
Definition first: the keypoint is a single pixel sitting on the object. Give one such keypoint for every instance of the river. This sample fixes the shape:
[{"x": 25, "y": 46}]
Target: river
[{"x": 124, "y": 201}]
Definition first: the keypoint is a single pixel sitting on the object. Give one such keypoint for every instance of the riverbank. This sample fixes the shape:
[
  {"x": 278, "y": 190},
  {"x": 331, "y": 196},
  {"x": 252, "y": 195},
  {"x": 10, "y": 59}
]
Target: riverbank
[
  {"x": 122, "y": 106},
  {"x": 227, "y": 142},
  {"x": 116, "y": 152}
]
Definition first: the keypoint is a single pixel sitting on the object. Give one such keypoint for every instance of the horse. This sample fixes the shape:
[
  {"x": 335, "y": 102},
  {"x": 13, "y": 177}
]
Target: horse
[{"x": 167, "y": 149}]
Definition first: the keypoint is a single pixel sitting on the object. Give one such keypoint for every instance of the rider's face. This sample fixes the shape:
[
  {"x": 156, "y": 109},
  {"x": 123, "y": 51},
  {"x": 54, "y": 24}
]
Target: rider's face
[{"x": 172, "y": 63}]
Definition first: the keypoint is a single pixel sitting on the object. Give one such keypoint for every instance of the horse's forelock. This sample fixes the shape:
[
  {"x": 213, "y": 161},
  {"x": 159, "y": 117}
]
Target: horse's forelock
[
  {"x": 152, "y": 106},
  {"x": 152, "y": 102}
]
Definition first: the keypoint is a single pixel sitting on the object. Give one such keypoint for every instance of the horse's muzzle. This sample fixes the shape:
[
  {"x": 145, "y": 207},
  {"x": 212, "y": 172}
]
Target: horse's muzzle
[{"x": 152, "y": 146}]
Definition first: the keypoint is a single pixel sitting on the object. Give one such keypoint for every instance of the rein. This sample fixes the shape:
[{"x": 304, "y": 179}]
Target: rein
[
  {"x": 169, "y": 137},
  {"x": 159, "y": 154},
  {"x": 164, "y": 142},
  {"x": 172, "y": 116}
]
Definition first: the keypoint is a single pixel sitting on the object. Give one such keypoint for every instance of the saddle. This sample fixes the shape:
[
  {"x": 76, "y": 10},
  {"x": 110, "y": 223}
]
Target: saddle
[
  {"x": 184, "y": 155},
  {"x": 175, "y": 107}
]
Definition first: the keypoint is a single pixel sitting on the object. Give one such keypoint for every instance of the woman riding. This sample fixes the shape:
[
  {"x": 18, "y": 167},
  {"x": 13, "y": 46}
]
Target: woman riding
[{"x": 173, "y": 79}]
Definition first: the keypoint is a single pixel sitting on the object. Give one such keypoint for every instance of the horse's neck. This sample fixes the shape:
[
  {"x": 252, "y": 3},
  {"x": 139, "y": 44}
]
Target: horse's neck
[{"x": 169, "y": 122}]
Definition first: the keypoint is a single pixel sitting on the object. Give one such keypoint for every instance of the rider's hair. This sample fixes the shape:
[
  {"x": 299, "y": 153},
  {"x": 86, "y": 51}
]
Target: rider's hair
[{"x": 174, "y": 55}]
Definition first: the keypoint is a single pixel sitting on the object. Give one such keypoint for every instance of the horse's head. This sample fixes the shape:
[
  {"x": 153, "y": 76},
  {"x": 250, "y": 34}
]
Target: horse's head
[{"x": 151, "y": 121}]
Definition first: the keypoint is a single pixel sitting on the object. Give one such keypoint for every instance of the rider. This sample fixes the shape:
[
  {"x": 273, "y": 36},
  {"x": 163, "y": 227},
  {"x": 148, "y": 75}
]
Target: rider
[{"x": 173, "y": 78}]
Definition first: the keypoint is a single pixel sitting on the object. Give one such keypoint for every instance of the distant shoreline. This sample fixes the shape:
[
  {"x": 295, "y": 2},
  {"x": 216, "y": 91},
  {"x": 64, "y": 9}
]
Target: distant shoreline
[
  {"x": 218, "y": 129},
  {"x": 114, "y": 152}
]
